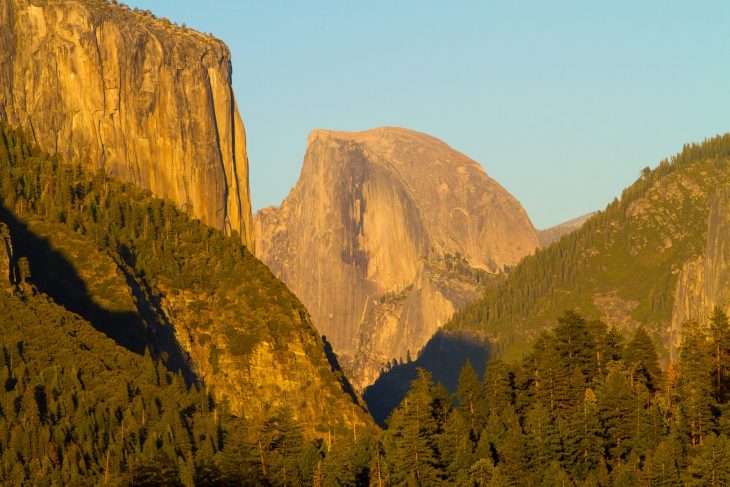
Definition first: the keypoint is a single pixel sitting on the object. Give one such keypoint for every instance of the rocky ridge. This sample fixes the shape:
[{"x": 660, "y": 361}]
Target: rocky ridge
[{"x": 554, "y": 233}]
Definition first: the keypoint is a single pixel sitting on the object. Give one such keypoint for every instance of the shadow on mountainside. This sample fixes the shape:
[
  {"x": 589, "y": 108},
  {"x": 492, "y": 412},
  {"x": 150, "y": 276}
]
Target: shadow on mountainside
[
  {"x": 337, "y": 369},
  {"x": 52, "y": 274},
  {"x": 444, "y": 356}
]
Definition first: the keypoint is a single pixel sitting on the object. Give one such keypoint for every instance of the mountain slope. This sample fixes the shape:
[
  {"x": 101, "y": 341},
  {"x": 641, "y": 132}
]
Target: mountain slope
[
  {"x": 624, "y": 264},
  {"x": 144, "y": 100},
  {"x": 148, "y": 276},
  {"x": 386, "y": 233}
]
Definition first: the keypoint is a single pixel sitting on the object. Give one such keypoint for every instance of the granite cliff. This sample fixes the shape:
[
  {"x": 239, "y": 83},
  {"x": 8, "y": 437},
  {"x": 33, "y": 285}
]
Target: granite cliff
[
  {"x": 653, "y": 258},
  {"x": 387, "y": 233},
  {"x": 704, "y": 282},
  {"x": 133, "y": 95}
]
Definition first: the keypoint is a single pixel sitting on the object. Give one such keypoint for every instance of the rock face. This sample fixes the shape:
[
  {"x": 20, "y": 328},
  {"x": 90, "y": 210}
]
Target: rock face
[
  {"x": 385, "y": 234},
  {"x": 133, "y": 95},
  {"x": 550, "y": 235},
  {"x": 705, "y": 282}
]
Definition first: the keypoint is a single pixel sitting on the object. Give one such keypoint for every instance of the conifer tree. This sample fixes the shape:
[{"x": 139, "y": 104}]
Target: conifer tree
[
  {"x": 641, "y": 357},
  {"x": 696, "y": 384},
  {"x": 617, "y": 412},
  {"x": 711, "y": 465},
  {"x": 411, "y": 439},
  {"x": 469, "y": 392},
  {"x": 720, "y": 336},
  {"x": 661, "y": 466},
  {"x": 498, "y": 389}
]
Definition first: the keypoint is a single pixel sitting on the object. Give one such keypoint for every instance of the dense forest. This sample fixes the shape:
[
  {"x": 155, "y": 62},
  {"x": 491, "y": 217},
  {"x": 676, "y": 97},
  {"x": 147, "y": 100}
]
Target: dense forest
[{"x": 583, "y": 408}]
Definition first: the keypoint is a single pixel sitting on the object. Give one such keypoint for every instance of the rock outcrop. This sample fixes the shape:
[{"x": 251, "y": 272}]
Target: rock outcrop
[
  {"x": 704, "y": 282},
  {"x": 133, "y": 95},
  {"x": 385, "y": 234}
]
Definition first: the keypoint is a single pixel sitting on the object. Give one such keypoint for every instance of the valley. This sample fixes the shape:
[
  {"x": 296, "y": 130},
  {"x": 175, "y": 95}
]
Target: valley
[{"x": 396, "y": 319}]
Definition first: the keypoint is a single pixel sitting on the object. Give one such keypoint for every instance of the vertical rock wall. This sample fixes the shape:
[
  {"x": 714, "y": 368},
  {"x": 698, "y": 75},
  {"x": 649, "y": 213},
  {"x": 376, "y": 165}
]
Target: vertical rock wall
[{"x": 136, "y": 96}]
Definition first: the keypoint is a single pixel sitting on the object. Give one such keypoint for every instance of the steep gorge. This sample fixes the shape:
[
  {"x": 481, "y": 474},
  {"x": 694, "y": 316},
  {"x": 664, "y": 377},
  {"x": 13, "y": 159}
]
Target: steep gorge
[
  {"x": 132, "y": 95},
  {"x": 387, "y": 233}
]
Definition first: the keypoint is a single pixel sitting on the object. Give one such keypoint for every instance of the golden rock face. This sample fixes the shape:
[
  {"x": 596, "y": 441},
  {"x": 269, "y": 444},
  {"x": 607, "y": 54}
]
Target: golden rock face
[
  {"x": 143, "y": 100},
  {"x": 363, "y": 237},
  {"x": 703, "y": 282}
]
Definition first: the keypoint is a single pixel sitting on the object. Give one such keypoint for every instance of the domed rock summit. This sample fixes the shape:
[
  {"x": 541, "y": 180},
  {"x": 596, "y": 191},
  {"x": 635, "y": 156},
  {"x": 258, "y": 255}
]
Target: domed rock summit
[{"x": 387, "y": 232}]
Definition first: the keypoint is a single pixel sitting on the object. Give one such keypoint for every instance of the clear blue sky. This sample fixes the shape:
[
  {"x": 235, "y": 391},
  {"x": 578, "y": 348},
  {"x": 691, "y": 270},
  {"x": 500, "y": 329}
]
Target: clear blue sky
[{"x": 562, "y": 102}]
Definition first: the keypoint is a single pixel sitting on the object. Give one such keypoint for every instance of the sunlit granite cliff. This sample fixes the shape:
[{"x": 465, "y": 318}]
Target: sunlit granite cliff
[
  {"x": 135, "y": 96},
  {"x": 385, "y": 234}
]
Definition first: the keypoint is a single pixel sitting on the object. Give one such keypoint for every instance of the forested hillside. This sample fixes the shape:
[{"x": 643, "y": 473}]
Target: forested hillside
[
  {"x": 138, "y": 341},
  {"x": 621, "y": 266}
]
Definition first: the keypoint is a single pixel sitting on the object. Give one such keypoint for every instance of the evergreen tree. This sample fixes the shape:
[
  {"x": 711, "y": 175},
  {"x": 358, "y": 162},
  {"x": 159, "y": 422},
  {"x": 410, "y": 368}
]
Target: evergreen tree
[
  {"x": 720, "y": 336},
  {"x": 661, "y": 467},
  {"x": 711, "y": 465},
  {"x": 472, "y": 403},
  {"x": 411, "y": 439},
  {"x": 641, "y": 357},
  {"x": 696, "y": 384}
]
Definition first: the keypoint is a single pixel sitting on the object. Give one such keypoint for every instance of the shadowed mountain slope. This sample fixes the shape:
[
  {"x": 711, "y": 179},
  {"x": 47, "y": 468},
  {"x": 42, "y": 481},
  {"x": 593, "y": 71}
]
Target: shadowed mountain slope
[{"x": 149, "y": 276}]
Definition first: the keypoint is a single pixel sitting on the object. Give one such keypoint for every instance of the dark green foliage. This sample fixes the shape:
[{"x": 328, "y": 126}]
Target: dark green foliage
[
  {"x": 581, "y": 409},
  {"x": 720, "y": 337},
  {"x": 150, "y": 240},
  {"x": 640, "y": 355},
  {"x": 410, "y": 442}
]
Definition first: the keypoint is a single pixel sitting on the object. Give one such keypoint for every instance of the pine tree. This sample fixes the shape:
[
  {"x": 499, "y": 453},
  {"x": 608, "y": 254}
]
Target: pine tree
[
  {"x": 583, "y": 444},
  {"x": 456, "y": 447},
  {"x": 411, "y": 439},
  {"x": 711, "y": 465},
  {"x": 575, "y": 346},
  {"x": 720, "y": 336},
  {"x": 661, "y": 467},
  {"x": 696, "y": 384},
  {"x": 472, "y": 403},
  {"x": 611, "y": 348},
  {"x": 542, "y": 440},
  {"x": 641, "y": 357},
  {"x": 617, "y": 412},
  {"x": 497, "y": 385}
]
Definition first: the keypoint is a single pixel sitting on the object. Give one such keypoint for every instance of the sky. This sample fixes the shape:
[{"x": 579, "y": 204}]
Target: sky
[{"x": 562, "y": 102}]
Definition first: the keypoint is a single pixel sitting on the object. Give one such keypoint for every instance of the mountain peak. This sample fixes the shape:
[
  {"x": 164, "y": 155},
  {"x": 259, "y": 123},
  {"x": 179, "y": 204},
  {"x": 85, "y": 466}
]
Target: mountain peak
[{"x": 372, "y": 234}]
